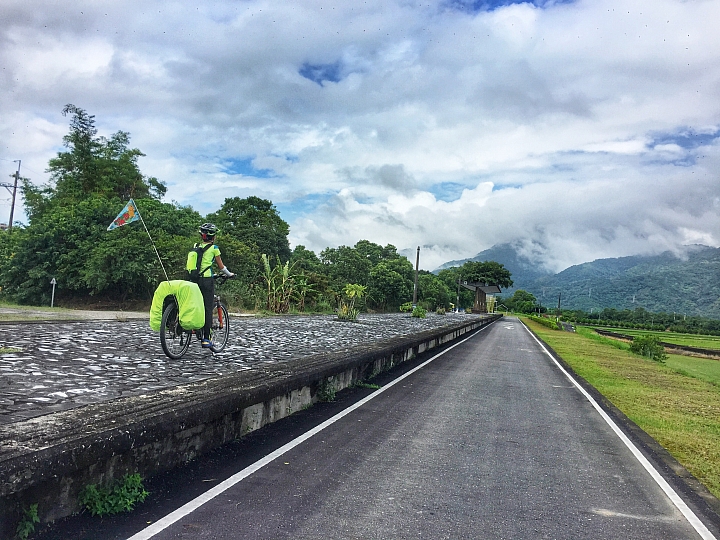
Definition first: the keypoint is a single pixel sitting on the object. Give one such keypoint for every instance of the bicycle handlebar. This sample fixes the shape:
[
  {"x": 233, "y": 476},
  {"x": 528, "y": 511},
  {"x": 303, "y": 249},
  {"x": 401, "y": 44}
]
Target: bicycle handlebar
[{"x": 222, "y": 278}]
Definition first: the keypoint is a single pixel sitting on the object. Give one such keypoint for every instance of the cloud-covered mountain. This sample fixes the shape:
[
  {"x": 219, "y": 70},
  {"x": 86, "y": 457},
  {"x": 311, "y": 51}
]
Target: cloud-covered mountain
[
  {"x": 687, "y": 282},
  {"x": 524, "y": 270}
]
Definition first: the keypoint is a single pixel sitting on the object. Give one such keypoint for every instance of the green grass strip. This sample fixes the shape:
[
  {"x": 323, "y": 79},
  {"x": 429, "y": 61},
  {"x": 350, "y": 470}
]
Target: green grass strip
[{"x": 677, "y": 403}]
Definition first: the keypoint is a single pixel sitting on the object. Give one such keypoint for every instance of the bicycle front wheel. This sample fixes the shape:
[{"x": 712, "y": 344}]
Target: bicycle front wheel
[
  {"x": 174, "y": 339},
  {"x": 220, "y": 328}
]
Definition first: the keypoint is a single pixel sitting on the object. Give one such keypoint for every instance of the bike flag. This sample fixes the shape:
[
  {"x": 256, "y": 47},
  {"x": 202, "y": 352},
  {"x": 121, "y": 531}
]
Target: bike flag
[{"x": 128, "y": 215}]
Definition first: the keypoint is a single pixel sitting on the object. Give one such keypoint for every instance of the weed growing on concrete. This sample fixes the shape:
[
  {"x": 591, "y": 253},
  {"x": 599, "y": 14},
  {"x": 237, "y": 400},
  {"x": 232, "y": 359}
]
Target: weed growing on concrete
[
  {"x": 347, "y": 310},
  {"x": 122, "y": 496},
  {"x": 27, "y": 524},
  {"x": 419, "y": 312},
  {"x": 326, "y": 391},
  {"x": 363, "y": 384}
]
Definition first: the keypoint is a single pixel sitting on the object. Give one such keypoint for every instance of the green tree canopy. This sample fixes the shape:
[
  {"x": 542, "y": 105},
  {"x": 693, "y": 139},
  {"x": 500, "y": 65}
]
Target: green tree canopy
[
  {"x": 94, "y": 165},
  {"x": 433, "y": 292},
  {"x": 345, "y": 265},
  {"x": 450, "y": 277},
  {"x": 254, "y": 221},
  {"x": 305, "y": 260},
  {"x": 490, "y": 272},
  {"x": 388, "y": 288},
  {"x": 522, "y": 302},
  {"x": 66, "y": 238}
]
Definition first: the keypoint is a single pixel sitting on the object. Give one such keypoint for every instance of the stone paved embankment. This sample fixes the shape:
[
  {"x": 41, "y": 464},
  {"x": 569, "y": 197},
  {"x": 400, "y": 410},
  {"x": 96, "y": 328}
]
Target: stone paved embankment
[{"x": 62, "y": 365}]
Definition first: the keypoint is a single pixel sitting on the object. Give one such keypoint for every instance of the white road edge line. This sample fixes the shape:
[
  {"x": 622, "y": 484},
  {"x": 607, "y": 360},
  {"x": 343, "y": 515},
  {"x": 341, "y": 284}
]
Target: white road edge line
[
  {"x": 692, "y": 518},
  {"x": 197, "y": 502}
]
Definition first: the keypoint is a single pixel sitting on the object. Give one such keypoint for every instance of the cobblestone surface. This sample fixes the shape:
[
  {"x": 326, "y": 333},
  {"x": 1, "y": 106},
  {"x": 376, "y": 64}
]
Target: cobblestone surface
[{"x": 59, "y": 366}]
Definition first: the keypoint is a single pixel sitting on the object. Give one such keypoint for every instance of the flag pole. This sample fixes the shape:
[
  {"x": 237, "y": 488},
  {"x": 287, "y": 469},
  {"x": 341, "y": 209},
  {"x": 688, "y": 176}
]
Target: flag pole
[{"x": 151, "y": 241}]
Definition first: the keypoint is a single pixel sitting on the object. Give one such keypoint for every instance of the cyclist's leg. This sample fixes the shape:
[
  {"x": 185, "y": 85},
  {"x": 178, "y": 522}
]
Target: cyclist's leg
[{"x": 207, "y": 288}]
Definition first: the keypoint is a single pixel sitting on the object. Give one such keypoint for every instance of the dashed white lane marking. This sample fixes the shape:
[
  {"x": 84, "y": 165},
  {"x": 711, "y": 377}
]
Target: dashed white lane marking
[
  {"x": 197, "y": 502},
  {"x": 692, "y": 518},
  {"x": 611, "y": 513}
]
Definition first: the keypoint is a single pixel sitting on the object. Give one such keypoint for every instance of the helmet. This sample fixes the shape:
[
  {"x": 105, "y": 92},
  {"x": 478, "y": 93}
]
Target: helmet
[{"x": 208, "y": 230}]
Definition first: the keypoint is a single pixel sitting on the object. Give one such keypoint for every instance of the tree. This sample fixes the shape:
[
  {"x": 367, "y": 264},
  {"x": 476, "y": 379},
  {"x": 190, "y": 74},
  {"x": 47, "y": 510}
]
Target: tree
[
  {"x": 450, "y": 277},
  {"x": 345, "y": 265},
  {"x": 522, "y": 302},
  {"x": 432, "y": 291},
  {"x": 489, "y": 272},
  {"x": 311, "y": 282},
  {"x": 71, "y": 244},
  {"x": 66, "y": 238},
  {"x": 305, "y": 260},
  {"x": 96, "y": 165},
  {"x": 254, "y": 221},
  {"x": 388, "y": 288}
]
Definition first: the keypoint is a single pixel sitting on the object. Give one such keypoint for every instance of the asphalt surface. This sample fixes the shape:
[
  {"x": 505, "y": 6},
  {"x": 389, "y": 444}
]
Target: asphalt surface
[{"x": 490, "y": 440}]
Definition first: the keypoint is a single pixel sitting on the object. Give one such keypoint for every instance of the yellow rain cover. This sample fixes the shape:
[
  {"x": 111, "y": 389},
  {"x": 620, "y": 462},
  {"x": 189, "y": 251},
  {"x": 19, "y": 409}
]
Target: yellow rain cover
[{"x": 189, "y": 297}]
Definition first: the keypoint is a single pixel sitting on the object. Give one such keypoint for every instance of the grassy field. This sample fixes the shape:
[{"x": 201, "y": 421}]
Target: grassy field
[
  {"x": 677, "y": 403},
  {"x": 689, "y": 340}
]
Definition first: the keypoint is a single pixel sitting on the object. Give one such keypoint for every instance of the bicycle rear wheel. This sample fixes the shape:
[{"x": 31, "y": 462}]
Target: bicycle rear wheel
[
  {"x": 174, "y": 339},
  {"x": 220, "y": 328}
]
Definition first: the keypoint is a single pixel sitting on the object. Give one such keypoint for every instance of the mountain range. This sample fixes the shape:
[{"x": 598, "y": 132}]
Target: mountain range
[{"x": 688, "y": 284}]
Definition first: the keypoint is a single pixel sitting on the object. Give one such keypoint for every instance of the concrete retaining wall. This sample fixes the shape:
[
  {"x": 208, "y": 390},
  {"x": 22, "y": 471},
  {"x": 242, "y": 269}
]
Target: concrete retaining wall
[{"x": 48, "y": 460}]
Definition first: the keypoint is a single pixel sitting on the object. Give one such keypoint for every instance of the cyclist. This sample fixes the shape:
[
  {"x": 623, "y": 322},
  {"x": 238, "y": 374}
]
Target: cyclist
[{"x": 210, "y": 253}]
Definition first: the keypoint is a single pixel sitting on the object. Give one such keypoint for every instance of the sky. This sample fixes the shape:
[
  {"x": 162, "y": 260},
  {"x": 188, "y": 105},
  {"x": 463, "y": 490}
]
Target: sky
[{"x": 575, "y": 130}]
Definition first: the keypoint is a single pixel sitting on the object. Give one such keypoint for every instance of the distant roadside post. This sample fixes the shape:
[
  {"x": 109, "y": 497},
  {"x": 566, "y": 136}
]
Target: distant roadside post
[
  {"x": 415, "y": 288},
  {"x": 53, "y": 282},
  {"x": 457, "y": 305}
]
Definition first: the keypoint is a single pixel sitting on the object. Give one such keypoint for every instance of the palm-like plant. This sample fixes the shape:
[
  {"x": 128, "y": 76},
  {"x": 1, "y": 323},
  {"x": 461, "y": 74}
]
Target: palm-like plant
[
  {"x": 280, "y": 284},
  {"x": 352, "y": 292}
]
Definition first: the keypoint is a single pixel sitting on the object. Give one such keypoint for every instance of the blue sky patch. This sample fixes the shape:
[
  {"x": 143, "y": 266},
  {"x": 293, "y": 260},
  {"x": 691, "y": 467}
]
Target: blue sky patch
[
  {"x": 685, "y": 138},
  {"x": 245, "y": 167},
  {"x": 475, "y": 6},
  {"x": 319, "y": 73},
  {"x": 447, "y": 191},
  {"x": 302, "y": 206},
  {"x": 688, "y": 140}
]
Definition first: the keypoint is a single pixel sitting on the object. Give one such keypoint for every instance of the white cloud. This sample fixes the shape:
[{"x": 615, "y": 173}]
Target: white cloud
[{"x": 423, "y": 111}]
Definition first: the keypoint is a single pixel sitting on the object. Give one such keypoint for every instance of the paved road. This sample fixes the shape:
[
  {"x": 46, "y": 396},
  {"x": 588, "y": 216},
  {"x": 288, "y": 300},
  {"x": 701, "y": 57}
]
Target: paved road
[{"x": 488, "y": 441}]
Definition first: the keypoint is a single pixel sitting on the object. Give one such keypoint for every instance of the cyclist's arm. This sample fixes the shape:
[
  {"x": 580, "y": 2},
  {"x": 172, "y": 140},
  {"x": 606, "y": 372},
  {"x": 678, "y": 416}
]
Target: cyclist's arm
[{"x": 222, "y": 267}]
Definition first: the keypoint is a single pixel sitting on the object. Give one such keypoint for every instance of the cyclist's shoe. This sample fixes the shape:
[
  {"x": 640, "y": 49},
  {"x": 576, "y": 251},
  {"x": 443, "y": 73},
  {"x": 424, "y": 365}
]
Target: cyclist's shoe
[{"x": 206, "y": 343}]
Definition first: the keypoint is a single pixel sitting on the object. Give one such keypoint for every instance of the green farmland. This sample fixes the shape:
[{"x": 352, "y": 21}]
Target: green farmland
[{"x": 689, "y": 340}]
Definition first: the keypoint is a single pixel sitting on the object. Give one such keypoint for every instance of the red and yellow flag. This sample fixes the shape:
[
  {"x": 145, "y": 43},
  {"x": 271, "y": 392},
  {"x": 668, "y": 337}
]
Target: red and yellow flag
[{"x": 128, "y": 215}]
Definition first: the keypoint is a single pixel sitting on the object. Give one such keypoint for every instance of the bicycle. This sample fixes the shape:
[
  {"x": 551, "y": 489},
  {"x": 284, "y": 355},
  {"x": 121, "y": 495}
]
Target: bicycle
[{"x": 175, "y": 340}]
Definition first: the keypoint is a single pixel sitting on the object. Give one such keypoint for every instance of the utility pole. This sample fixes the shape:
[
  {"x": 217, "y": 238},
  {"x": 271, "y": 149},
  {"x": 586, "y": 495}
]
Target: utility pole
[
  {"x": 417, "y": 266},
  {"x": 14, "y": 192},
  {"x": 457, "y": 300}
]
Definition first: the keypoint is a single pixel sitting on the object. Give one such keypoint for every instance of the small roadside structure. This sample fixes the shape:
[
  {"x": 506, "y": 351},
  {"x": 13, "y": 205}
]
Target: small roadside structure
[{"x": 481, "y": 290}]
